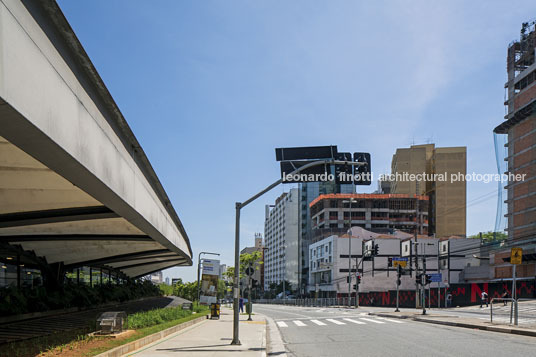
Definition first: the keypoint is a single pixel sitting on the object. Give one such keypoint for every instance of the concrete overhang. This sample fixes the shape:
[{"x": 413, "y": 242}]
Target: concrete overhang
[{"x": 75, "y": 186}]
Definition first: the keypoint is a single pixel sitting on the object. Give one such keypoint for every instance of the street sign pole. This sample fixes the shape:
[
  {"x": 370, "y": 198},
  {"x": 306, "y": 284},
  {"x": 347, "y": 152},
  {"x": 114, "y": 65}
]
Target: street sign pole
[
  {"x": 238, "y": 207},
  {"x": 397, "y": 287}
]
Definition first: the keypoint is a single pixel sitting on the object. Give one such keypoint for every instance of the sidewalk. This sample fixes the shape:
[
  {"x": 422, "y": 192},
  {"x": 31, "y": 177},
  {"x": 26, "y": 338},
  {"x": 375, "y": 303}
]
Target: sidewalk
[
  {"x": 213, "y": 338},
  {"x": 458, "y": 321}
]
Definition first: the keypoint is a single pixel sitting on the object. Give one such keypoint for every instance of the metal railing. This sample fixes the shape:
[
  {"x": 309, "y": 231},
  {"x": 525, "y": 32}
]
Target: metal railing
[
  {"x": 505, "y": 302},
  {"x": 311, "y": 302},
  {"x": 528, "y": 310}
]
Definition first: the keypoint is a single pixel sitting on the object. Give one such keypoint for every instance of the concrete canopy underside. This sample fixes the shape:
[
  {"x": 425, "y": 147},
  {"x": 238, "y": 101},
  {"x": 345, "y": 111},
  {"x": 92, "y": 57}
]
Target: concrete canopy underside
[{"x": 75, "y": 186}]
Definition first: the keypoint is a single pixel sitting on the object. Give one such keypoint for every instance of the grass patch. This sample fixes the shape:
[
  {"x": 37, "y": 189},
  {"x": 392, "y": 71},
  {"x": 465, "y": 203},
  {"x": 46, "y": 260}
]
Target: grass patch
[{"x": 159, "y": 316}]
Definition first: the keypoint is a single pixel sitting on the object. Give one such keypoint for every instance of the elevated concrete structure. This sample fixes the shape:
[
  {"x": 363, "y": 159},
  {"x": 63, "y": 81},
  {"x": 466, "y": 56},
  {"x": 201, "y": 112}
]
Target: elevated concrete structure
[{"x": 76, "y": 188}]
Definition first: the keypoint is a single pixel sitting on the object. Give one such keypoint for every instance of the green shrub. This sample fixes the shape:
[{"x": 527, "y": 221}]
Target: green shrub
[{"x": 24, "y": 300}]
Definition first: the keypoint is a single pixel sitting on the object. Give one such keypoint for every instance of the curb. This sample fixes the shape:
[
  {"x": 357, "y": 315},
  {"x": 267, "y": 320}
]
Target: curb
[
  {"x": 510, "y": 330},
  {"x": 274, "y": 342},
  {"x": 144, "y": 341}
]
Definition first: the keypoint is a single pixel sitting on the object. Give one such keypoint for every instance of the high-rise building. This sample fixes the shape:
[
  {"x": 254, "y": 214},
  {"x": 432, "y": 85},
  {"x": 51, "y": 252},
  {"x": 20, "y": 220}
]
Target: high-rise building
[
  {"x": 520, "y": 128},
  {"x": 447, "y": 208},
  {"x": 281, "y": 233}
]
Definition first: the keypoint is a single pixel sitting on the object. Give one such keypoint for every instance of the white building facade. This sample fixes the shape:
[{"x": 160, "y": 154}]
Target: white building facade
[
  {"x": 329, "y": 261},
  {"x": 281, "y": 232}
]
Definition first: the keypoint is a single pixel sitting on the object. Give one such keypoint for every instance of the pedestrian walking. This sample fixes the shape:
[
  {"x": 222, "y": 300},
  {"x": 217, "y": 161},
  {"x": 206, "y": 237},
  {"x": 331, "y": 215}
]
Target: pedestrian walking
[
  {"x": 241, "y": 304},
  {"x": 505, "y": 296},
  {"x": 483, "y": 299}
]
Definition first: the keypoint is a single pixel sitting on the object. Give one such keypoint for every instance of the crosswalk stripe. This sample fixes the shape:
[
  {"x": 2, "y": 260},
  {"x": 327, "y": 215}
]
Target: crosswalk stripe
[
  {"x": 319, "y": 323},
  {"x": 375, "y": 321},
  {"x": 395, "y": 321},
  {"x": 281, "y": 324},
  {"x": 299, "y": 323},
  {"x": 336, "y": 322},
  {"x": 355, "y": 321}
]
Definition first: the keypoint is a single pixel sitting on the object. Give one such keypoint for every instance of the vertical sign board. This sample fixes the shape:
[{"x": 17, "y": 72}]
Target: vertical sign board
[
  {"x": 516, "y": 256},
  {"x": 209, "y": 281}
]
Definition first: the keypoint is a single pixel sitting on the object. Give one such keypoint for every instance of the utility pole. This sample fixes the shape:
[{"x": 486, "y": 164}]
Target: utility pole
[
  {"x": 423, "y": 279},
  {"x": 416, "y": 244},
  {"x": 398, "y": 275},
  {"x": 350, "y": 201}
]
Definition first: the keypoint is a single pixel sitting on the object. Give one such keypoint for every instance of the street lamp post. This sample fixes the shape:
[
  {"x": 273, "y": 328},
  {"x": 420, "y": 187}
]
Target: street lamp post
[
  {"x": 350, "y": 201},
  {"x": 238, "y": 207},
  {"x": 198, "y": 270}
]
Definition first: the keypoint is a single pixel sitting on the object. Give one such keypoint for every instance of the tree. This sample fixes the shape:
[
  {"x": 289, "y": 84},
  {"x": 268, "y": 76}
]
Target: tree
[
  {"x": 250, "y": 260},
  {"x": 491, "y": 236},
  {"x": 222, "y": 289}
]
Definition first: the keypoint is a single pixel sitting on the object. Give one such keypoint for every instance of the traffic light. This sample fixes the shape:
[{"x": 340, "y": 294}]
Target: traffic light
[
  {"x": 343, "y": 173},
  {"x": 418, "y": 279},
  {"x": 254, "y": 283},
  {"x": 348, "y": 280},
  {"x": 390, "y": 262},
  {"x": 358, "y": 279},
  {"x": 354, "y": 286},
  {"x": 398, "y": 282},
  {"x": 362, "y": 173},
  {"x": 375, "y": 249}
]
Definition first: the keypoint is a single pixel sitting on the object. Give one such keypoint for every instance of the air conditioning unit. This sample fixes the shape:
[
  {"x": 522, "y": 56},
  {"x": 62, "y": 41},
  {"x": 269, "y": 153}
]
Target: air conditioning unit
[{"x": 111, "y": 322}]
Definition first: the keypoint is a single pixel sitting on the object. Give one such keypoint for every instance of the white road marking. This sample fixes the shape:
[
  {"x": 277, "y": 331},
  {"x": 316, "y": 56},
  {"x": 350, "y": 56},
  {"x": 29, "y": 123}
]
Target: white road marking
[
  {"x": 395, "y": 321},
  {"x": 299, "y": 323},
  {"x": 355, "y": 321},
  {"x": 281, "y": 324},
  {"x": 319, "y": 323},
  {"x": 375, "y": 321},
  {"x": 336, "y": 322}
]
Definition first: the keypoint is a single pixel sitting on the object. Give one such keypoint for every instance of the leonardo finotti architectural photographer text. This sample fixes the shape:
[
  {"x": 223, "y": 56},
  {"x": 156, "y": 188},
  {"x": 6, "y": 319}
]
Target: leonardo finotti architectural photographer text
[{"x": 407, "y": 177}]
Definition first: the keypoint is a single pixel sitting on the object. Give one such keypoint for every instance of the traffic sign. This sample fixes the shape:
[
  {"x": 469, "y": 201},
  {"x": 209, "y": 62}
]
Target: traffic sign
[
  {"x": 249, "y": 271},
  {"x": 435, "y": 278},
  {"x": 516, "y": 255},
  {"x": 400, "y": 261}
]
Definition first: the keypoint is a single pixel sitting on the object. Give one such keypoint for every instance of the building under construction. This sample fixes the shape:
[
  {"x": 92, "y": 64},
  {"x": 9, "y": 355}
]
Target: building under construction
[
  {"x": 382, "y": 213},
  {"x": 520, "y": 126}
]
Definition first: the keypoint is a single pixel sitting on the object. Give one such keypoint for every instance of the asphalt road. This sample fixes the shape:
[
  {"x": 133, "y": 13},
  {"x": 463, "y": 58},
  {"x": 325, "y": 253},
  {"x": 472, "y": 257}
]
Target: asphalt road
[{"x": 308, "y": 331}]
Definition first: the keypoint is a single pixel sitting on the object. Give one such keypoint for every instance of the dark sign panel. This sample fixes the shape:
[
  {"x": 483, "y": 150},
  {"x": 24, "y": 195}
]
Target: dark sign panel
[{"x": 306, "y": 153}]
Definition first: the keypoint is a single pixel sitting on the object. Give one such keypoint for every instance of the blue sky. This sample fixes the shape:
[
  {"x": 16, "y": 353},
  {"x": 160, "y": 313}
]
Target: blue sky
[{"x": 210, "y": 88}]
